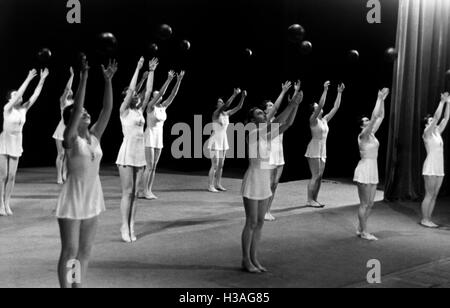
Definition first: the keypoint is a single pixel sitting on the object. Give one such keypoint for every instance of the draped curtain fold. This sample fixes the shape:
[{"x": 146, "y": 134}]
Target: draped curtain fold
[{"x": 423, "y": 44}]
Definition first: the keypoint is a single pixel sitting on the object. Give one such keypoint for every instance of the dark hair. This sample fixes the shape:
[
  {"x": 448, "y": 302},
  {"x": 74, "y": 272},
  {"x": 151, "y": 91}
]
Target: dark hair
[
  {"x": 250, "y": 115},
  {"x": 8, "y": 94},
  {"x": 67, "y": 113},
  {"x": 426, "y": 119},
  {"x": 264, "y": 104},
  {"x": 359, "y": 120}
]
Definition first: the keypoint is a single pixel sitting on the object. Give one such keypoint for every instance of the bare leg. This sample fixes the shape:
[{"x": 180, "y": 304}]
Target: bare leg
[
  {"x": 126, "y": 178},
  {"x": 154, "y": 155},
  {"x": 220, "y": 171},
  {"x": 366, "y": 193},
  {"x": 3, "y": 177},
  {"x": 59, "y": 162},
  {"x": 426, "y": 203},
  {"x": 275, "y": 180},
  {"x": 322, "y": 165},
  {"x": 70, "y": 235},
  {"x": 314, "y": 166},
  {"x": 212, "y": 171},
  {"x": 257, "y": 232},
  {"x": 137, "y": 176},
  {"x": 251, "y": 221},
  {"x": 10, "y": 181},
  {"x": 88, "y": 230}
]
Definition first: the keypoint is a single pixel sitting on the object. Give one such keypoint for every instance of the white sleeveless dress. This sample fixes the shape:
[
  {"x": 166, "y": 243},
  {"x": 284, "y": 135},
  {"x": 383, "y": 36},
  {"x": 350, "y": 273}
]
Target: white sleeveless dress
[
  {"x": 317, "y": 147},
  {"x": 155, "y": 125},
  {"x": 11, "y": 136},
  {"x": 434, "y": 163},
  {"x": 81, "y": 196},
  {"x": 219, "y": 138},
  {"x": 132, "y": 150},
  {"x": 256, "y": 184},
  {"x": 367, "y": 170}
]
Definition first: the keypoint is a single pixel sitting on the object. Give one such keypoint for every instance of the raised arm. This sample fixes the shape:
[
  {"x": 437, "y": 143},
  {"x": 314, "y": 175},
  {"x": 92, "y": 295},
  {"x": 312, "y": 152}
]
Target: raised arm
[
  {"x": 15, "y": 99},
  {"x": 227, "y": 105},
  {"x": 446, "y": 118},
  {"x": 132, "y": 88},
  {"x": 37, "y": 91},
  {"x": 289, "y": 113},
  {"x": 67, "y": 90},
  {"x": 377, "y": 114},
  {"x": 239, "y": 106},
  {"x": 322, "y": 101},
  {"x": 71, "y": 131},
  {"x": 284, "y": 89},
  {"x": 158, "y": 98},
  {"x": 175, "y": 90},
  {"x": 150, "y": 79},
  {"x": 337, "y": 103},
  {"x": 99, "y": 127},
  {"x": 284, "y": 117}
]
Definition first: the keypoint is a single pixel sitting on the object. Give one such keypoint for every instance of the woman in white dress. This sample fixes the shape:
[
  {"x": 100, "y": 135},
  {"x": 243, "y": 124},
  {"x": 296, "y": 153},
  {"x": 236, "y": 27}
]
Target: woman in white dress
[
  {"x": 433, "y": 167},
  {"x": 276, "y": 151},
  {"x": 65, "y": 101},
  {"x": 131, "y": 157},
  {"x": 256, "y": 185},
  {"x": 156, "y": 116},
  {"x": 218, "y": 143},
  {"x": 317, "y": 148},
  {"x": 81, "y": 199},
  {"x": 366, "y": 173},
  {"x": 14, "y": 117}
]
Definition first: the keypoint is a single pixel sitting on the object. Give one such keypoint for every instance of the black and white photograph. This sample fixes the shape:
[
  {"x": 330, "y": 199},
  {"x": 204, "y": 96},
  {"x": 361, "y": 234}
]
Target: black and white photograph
[{"x": 225, "y": 150}]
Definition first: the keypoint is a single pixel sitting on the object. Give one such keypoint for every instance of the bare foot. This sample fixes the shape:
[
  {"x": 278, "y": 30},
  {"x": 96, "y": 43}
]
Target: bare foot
[
  {"x": 9, "y": 212},
  {"x": 220, "y": 188},
  {"x": 248, "y": 266},
  {"x": 125, "y": 234},
  {"x": 150, "y": 196},
  {"x": 3, "y": 212},
  {"x": 429, "y": 224},
  {"x": 368, "y": 237},
  {"x": 269, "y": 217},
  {"x": 212, "y": 189},
  {"x": 259, "y": 266}
]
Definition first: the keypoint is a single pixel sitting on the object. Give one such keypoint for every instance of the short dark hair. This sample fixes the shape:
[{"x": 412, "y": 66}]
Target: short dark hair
[
  {"x": 9, "y": 94},
  {"x": 426, "y": 119},
  {"x": 250, "y": 115},
  {"x": 67, "y": 113}
]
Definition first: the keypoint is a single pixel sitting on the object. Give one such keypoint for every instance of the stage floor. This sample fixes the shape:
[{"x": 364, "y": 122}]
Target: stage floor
[{"x": 191, "y": 238}]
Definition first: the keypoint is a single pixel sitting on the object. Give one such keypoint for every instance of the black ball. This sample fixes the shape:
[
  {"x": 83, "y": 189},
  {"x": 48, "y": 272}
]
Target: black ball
[
  {"x": 164, "y": 32},
  {"x": 107, "y": 42},
  {"x": 296, "y": 33},
  {"x": 353, "y": 55},
  {"x": 391, "y": 54},
  {"x": 153, "y": 48},
  {"x": 248, "y": 53},
  {"x": 185, "y": 45},
  {"x": 306, "y": 47},
  {"x": 44, "y": 55}
]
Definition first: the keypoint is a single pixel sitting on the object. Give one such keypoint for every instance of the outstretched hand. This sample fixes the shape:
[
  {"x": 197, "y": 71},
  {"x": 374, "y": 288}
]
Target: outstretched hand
[
  {"x": 44, "y": 73},
  {"x": 110, "y": 71},
  {"x": 445, "y": 97},
  {"x": 383, "y": 94},
  {"x": 71, "y": 71},
  {"x": 297, "y": 86},
  {"x": 181, "y": 75},
  {"x": 237, "y": 91},
  {"x": 326, "y": 85},
  {"x": 84, "y": 65},
  {"x": 341, "y": 88},
  {"x": 286, "y": 86},
  {"x": 171, "y": 74},
  {"x": 32, "y": 74},
  {"x": 153, "y": 64}
]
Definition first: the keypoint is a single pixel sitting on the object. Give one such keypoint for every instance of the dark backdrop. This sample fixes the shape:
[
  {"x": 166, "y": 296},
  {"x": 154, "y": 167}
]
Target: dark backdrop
[{"x": 219, "y": 32}]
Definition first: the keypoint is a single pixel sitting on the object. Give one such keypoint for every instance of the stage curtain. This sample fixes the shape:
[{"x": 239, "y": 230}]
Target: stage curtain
[{"x": 423, "y": 44}]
